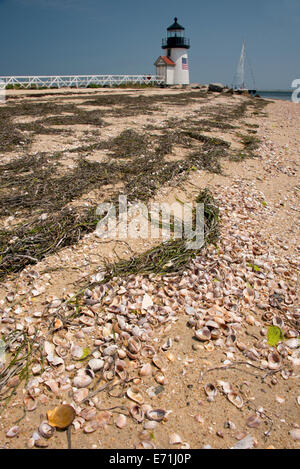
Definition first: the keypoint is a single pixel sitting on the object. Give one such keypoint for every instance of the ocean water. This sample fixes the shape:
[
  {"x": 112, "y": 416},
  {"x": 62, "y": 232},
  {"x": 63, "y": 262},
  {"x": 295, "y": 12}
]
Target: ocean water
[{"x": 285, "y": 95}]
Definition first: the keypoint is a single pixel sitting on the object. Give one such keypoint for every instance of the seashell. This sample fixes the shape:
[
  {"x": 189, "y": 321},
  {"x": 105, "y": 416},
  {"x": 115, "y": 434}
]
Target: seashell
[
  {"x": 167, "y": 345},
  {"x": 61, "y": 341},
  {"x": 274, "y": 361},
  {"x": 215, "y": 334},
  {"x": 241, "y": 346},
  {"x": 203, "y": 334},
  {"x": 30, "y": 403},
  {"x": 145, "y": 445},
  {"x": 161, "y": 379},
  {"x": 146, "y": 370},
  {"x": 295, "y": 434},
  {"x": 62, "y": 352},
  {"x": 175, "y": 439},
  {"x": 61, "y": 416},
  {"x": 13, "y": 431},
  {"x": 210, "y": 391},
  {"x": 253, "y": 421},
  {"x": 235, "y": 399},
  {"x": 212, "y": 324},
  {"x": 137, "y": 413},
  {"x": 36, "y": 369},
  {"x": 120, "y": 369},
  {"x": 277, "y": 321},
  {"x": 96, "y": 364},
  {"x": 46, "y": 430},
  {"x": 82, "y": 381},
  {"x": 199, "y": 419},
  {"x": 40, "y": 443},
  {"x": 134, "y": 394},
  {"x": 147, "y": 302},
  {"x": 156, "y": 415},
  {"x": 77, "y": 352},
  {"x": 52, "y": 385},
  {"x": 150, "y": 425},
  {"x": 134, "y": 345},
  {"x": 91, "y": 427},
  {"x": 122, "y": 354},
  {"x": 170, "y": 356},
  {"x": 209, "y": 347},
  {"x": 80, "y": 395},
  {"x": 157, "y": 362},
  {"x": 110, "y": 350},
  {"x": 103, "y": 418},
  {"x": 292, "y": 343},
  {"x": 121, "y": 421},
  {"x": 148, "y": 351},
  {"x": 88, "y": 414},
  {"x": 227, "y": 387}
]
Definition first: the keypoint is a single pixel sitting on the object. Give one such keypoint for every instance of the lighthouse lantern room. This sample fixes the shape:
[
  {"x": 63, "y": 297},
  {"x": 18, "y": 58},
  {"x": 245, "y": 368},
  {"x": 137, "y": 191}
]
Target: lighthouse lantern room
[{"x": 173, "y": 67}]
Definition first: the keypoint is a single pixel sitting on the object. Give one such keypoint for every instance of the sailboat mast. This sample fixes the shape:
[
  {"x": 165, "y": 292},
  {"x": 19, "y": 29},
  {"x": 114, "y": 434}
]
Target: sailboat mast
[{"x": 241, "y": 68}]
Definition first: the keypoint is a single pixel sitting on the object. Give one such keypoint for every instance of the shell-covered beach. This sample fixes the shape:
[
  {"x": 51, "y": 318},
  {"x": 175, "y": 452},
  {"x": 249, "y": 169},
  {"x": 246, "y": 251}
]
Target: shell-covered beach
[{"x": 151, "y": 345}]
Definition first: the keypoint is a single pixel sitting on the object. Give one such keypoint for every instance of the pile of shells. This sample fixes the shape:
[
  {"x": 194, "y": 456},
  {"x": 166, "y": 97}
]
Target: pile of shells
[{"x": 122, "y": 336}]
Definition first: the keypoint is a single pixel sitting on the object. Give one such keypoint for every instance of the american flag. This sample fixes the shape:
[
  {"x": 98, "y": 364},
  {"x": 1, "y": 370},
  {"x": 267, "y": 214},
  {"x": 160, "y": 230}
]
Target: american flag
[{"x": 185, "y": 63}]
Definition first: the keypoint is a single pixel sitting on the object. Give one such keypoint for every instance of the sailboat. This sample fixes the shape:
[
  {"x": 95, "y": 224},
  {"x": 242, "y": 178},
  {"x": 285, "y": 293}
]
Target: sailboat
[{"x": 239, "y": 82}]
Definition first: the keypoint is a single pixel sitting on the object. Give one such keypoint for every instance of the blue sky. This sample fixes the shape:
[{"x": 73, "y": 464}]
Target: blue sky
[{"x": 50, "y": 37}]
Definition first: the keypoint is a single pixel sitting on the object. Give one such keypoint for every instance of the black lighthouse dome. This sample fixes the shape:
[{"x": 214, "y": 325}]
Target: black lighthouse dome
[{"x": 175, "y": 37}]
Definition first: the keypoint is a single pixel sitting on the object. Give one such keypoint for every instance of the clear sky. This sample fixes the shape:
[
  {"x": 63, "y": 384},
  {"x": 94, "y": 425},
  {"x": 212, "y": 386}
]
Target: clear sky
[{"x": 51, "y": 37}]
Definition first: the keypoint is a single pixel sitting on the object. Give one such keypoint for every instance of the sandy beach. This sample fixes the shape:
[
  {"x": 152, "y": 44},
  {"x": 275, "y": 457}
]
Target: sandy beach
[{"x": 176, "y": 358}]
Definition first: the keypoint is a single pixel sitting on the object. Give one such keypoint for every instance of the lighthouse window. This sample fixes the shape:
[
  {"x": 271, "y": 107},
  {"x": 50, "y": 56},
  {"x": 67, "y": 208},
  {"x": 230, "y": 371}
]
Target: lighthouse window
[{"x": 169, "y": 53}]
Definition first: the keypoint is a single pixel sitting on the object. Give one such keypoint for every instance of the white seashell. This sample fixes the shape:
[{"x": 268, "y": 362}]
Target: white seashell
[
  {"x": 146, "y": 370},
  {"x": 96, "y": 364},
  {"x": 80, "y": 395},
  {"x": 295, "y": 434},
  {"x": 82, "y": 381},
  {"x": 170, "y": 356},
  {"x": 30, "y": 403},
  {"x": 203, "y": 334},
  {"x": 199, "y": 419},
  {"x": 121, "y": 421},
  {"x": 235, "y": 399},
  {"x": 246, "y": 443},
  {"x": 137, "y": 413},
  {"x": 210, "y": 391},
  {"x": 77, "y": 351},
  {"x": 46, "y": 430},
  {"x": 274, "y": 361},
  {"x": 12, "y": 432},
  {"x": 175, "y": 439},
  {"x": 91, "y": 427},
  {"x": 156, "y": 414},
  {"x": 135, "y": 395},
  {"x": 88, "y": 414},
  {"x": 292, "y": 343},
  {"x": 161, "y": 379},
  {"x": 253, "y": 421},
  {"x": 110, "y": 351},
  {"x": 150, "y": 425},
  {"x": 147, "y": 302},
  {"x": 227, "y": 387}
]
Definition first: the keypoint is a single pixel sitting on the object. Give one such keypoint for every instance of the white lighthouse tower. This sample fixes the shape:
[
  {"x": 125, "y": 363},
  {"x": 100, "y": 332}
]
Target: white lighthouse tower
[{"x": 174, "y": 65}]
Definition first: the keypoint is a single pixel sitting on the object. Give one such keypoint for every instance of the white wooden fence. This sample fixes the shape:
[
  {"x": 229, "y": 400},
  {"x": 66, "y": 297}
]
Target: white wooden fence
[{"x": 79, "y": 81}]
